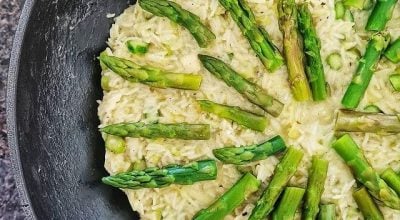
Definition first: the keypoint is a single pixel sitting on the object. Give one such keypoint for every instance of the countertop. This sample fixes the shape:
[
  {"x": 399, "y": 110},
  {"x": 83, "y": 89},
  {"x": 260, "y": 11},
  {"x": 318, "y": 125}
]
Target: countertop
[{"x": 10, "y": 207}]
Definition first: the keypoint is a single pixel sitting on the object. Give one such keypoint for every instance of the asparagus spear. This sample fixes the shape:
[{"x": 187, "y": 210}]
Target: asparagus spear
[
  {"x": 175, "y": 131},
  {"x": 367, "y": 205},
  {"x": 150, "y": 75},
  {"x": 364, "y": 173},
  {"x": 327, "y": 212},
  {"x": 312, "y": 48},
  {"x": 392, "y": 179},
  {"x": 293, "y": 51},
  {"x": 257, "y": 36},
  {"x": 161, "y": 177},
  {"x": 289, "y": 203},
  {"x": 137, "y": 47},
  {"x": 236, "y": 195},
  {"x": 283, "y": 172},
  {"x": 365, "y": 70},
  {"x": 177, "y": 14},
  {"x": 246, "y": 154},
  {"x": 393, "y": 51},
  {"x": 381, "y": 14},
  {"x": 315, "y": 187},
  {"x": 352, "y": 121},
  {"x": 251, "y": 91},
  {"x": 242, "y": 117}
]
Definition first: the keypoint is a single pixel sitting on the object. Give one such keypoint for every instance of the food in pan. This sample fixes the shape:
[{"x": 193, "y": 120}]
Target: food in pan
[{"x": 248, "y": 109}]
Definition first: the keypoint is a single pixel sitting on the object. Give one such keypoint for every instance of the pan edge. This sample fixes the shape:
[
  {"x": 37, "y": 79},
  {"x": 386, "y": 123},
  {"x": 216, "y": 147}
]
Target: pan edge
[{"x": 12, "y": 79}]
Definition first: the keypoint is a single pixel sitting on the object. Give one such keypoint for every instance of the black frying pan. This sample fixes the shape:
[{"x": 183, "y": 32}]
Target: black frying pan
[{"x": 53, "y": 85}]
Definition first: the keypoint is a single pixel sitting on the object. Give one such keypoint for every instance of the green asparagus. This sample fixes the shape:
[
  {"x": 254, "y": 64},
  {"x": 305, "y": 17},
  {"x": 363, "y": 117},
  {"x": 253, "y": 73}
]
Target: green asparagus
[
  {"x": 137, "y": 47},
  {"x": 367, "y": 205},
  {"x": 175, "y": 131},
  {"x": 283, "y": 172},
  {"x": 289, "y": 203},
  {"x": 293, "y": 51},
  {"x": 312, "y": 48},
  {"x": 150, "y": 75},
  {"x": 246, "y": 154},
  {"x": 364, "y": 173},
  {"x": 249, "y": 90},
  {"x": 115, "y": 144},
  {"x": 327, "y": 212},
  {"x": 393, "y": 51},
  {"x": 242, "y": 117},
  {"x": 352, "y": 121},
  {"x": 177, "y": 14},
  {"x": 381, "y": 14},
  {"x": 161, "y": 177},
  {"x": 235, "y": 196},
  {"x": 365, "y": 70},
  {"x": 392, "y": 179},
  {"x": 257, "y": 36},
  {"x": 315, "y": 187}
]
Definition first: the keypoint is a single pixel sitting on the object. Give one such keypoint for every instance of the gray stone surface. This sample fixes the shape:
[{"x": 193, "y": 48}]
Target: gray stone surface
[{"x": 10, "y": 207}]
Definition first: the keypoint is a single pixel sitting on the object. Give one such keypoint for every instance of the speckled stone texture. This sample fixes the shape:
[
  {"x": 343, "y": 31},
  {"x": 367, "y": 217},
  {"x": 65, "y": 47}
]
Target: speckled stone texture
[{"x": 10, "y": 207}]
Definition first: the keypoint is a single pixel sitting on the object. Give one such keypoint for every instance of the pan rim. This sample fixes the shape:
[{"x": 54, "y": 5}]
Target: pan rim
[{"x": 11, "y": 99}]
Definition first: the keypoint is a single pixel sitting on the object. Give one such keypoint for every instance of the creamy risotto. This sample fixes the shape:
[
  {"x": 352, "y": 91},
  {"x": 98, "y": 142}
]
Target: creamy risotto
[{"x": 305, "y": 125}]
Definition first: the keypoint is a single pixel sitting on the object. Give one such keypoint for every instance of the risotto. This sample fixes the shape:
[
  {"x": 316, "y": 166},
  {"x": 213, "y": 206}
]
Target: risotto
[{"x": 305, "y": 125}]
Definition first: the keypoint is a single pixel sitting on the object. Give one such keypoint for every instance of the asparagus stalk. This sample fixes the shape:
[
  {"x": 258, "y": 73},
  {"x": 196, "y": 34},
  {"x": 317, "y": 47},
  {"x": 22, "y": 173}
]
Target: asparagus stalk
[
  {"x": 242, "y": 117},
  {"x": 161, "y": 177},
  {"x": 257, "y": 36},
  {"x": 395, "y": 81},
  {"x": 246, "y": 154},
  {"x": 352, "y": 121},
  {"x": 393, "y": 51},
  {"x": 315, "y": 187},
  {"x": 175, "y": 131},
  {"x": 283, "y": 172},
  {"x": 367, "y": 205},
  {"x": 327, "y": 212},
  {"x": 365, "y": 70},
  {"x": 249, "y": 90},
  {"x": 293, "y": 51},
  {"x": 392, "y": 179},
  {"x": 177, "y": 14},
  {"x": 150, "y": 75},
  {"x": 289, "y": 203},
  {"x": 312, "y": 48},
  {"x": 381, "y": 14},
  {"x": 235, "y": 196},
  {"x": 364, "y": 173},
  {"x": 137, "y": 47}
]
